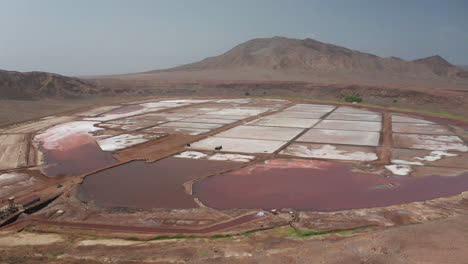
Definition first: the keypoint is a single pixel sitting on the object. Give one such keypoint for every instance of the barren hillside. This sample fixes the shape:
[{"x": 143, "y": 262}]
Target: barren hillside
[
  {"x": 19, "y": 85},
  {"x": 283, "y": 59}
]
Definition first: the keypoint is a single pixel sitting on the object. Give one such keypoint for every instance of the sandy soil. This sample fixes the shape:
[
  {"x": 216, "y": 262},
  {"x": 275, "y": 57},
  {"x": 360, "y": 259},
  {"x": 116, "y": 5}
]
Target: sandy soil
[{"x": 441, "y": 241}]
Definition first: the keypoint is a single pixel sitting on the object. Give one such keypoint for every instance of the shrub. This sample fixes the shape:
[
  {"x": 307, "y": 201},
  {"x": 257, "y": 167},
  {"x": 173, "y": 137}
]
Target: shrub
[{"x": 352, "y": 98}]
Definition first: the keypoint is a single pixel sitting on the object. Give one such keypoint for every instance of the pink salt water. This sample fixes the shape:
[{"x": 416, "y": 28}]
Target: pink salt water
[
  {"x": 81, "y": 156},
  {"x": 69, "y": 149},
  {"x": 318, "y": 185},
  {"x": 140, "y": 184}
]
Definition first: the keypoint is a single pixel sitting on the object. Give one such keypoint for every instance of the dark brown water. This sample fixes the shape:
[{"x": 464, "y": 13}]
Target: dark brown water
[
  {"x": 318, "y": 185},
  {"x": 140, "y": 184},
  {"x": 78, "y": 155}
]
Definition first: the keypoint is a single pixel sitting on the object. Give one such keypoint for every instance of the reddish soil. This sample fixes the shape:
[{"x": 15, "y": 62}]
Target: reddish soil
[
  {"x": 209, "y": 229},
  {"x": 318, "y": 185},
  {"x": 148, "y": 185}
]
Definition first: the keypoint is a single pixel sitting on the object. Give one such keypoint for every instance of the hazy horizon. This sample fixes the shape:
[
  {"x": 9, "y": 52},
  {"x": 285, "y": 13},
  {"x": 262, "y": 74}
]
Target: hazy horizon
[{"x": 116, "y": 37}]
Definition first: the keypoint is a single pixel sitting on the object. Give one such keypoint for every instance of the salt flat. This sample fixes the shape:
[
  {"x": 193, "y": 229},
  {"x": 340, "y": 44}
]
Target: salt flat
[
  {"x": 208, "y": 120},
  {"x": 356, "y": 117},
  {"x": 409, "y": 119},
  {"x": 284, "y": 122},
  {"x": 349, "y": 125},
  {"x": 175, "y": 130},
  {"x": 360, "y": 138},
  {"x": 327, "y": 151},
  {"x": 124, "y": 141},
  {"x": 298, "y": 114},
  {"x": 238, "y": 145},
  {"x": 231, "y": 117},
  {"x": 352, "y": 110},
  {"x": 310, "y": 108},
  {"x": 428, "y": 129},
  {"x": 261, "y": 132},
  {"x": 239, "y": 111},
  {"x": 429, "y": 142},
  {"x": 181, "y": 124}
]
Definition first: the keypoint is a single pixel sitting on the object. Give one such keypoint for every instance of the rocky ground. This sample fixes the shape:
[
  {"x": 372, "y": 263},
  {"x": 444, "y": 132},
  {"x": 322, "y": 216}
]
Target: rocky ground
[{"x": 439, "y": 241}]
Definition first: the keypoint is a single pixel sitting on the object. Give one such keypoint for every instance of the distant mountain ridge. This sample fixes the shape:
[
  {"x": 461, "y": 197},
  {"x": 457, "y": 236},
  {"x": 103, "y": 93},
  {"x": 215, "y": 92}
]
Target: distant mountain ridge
[
  {"x": 26, "y": 85},
  {"x": 442, "y": 67},
  {"x": 279, "y": 53},
  {"x": 276, "y": 59}
]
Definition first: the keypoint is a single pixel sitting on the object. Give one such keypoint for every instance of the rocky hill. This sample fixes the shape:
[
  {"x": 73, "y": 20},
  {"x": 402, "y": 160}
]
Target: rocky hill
[
  {"x": 285, "y": 54},
  {"x": 441, "y": 67},
  {"x": 284, "y": 59},
  {"x": 27, "y": 85}
]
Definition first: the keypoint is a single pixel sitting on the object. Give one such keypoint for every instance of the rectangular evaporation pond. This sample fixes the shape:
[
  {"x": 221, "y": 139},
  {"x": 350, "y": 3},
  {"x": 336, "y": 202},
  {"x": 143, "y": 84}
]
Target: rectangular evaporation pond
[
  {"x": 429, "y": 142},
  {"x": 165, "y": 115},
  {"x": 294, "y": 114},
  {"x": 353, "y": 110},
  {"x": 261, "y": 132},
  {"x": 360, "y": 138},
  {"x": 427, "y": 129},
  {"x": 357, "y": 117},
  {"x": 124, "y": 141},
  {"x": 409, "y": 119},
  {"x": 208, "y": 120},
  {"x": 230, "y": 117},
  {"x": 284, "y": 122},
  {"x": 191, "y": 125},
  {"x": 195, "y": 110},
  {"x": 350, "y": 125},
  {"x": 326, "y": 151},
  {"x": 238, "y": 145},
  {"x": 239, "y": 111},
  {"x": 157, "y": 117},
  {"x": 131, "y": 124},
  {"x": 310, "y": 108},
  {"x": 175, "y": 130},
  {"x": 238, "y": 101}
]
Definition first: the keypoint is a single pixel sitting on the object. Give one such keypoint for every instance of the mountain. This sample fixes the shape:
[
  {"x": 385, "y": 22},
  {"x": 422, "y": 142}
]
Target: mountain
[
  {"x": 441, "y": 67},
  {"x": 285, "y": 54},
  {"x": 279, "y": 53},
  {"x": 27, "y": 85},
  {"x": 284, "y": 59}
]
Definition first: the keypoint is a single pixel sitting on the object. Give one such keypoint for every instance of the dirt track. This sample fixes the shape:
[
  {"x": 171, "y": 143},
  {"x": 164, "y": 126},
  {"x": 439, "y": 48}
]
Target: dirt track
[{"x": 442, "y": 241}]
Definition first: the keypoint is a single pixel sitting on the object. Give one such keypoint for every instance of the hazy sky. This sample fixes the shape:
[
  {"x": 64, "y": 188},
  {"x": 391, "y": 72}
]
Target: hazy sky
[{"x": 87, "y": 37}]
